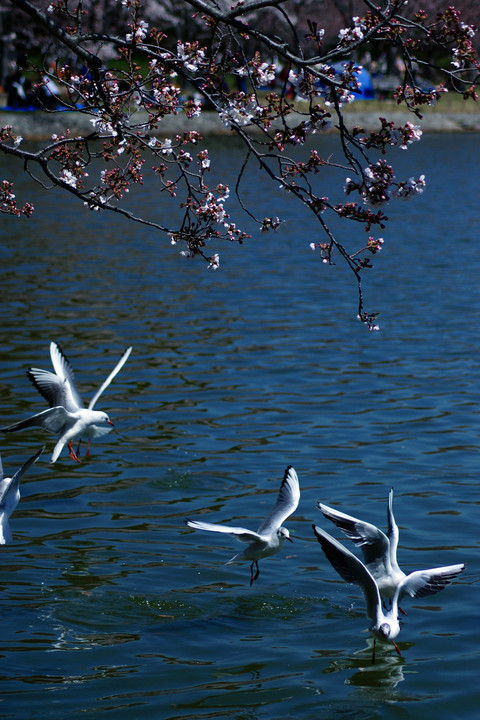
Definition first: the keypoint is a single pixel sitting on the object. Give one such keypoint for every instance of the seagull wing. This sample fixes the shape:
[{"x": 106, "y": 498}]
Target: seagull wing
[
  {"x": 19, "y": 474},
  {"x": 26, "y": 465},
  {"x": 96, "y": 431},
  {"x": 109, "y": 379},
  {"x": 351, "y": 569},
  {"x": 53, "y": 420},
  {"x": 422, "y": 583},
  {"x": 287, "y": 503},
  {"x": 238, "y": 533},
  {"x": 392, "y": 533},
  {"x": 372, "y": 541},
  {"x": 1, "y": 469},
  {"x": 55, "y": 390},
  {"x": 64, "y": 371}
]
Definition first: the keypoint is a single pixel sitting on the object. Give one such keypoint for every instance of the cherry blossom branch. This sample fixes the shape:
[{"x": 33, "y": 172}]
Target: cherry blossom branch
[{"x": 127, "y": 104}]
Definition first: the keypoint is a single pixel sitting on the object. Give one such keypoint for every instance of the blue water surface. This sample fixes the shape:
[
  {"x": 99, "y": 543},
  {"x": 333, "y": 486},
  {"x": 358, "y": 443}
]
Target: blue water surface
[{"x": 111, "y": 606}]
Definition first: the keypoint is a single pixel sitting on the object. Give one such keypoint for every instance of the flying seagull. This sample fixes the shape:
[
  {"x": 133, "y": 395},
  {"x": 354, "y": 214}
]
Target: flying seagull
[
  {"x": 379, "y": 550},
  {"x": 383, "y": 625},
  {"x": 10, "y": 496},
  {"x": 67, "y": 417},
  {"x": 270, "y": 536}
]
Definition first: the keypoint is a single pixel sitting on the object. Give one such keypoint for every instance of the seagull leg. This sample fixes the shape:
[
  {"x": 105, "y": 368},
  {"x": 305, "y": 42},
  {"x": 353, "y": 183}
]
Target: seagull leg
[
  {"x": 254, "y": 576},
  {"x": 373, "y": 654},
  {"x": 73, "y": 454},
  {"x": 396, "y": 648},
  {"x": 402, "y": 611}
]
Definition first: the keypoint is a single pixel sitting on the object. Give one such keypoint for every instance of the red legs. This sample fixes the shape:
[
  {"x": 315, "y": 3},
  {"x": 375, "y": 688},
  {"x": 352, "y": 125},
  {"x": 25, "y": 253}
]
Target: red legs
[
  {"x": 254, "y": 576},
  {"x": 87, "y": 454},
  {"x": 73, "y": 454},
  {"x": 400, "y": 610},
  {"x": 373, "y": 654}
]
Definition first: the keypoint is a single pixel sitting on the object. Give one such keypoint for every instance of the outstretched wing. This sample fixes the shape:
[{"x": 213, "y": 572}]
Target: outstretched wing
[
  {"x": 64, "y": 371},
  {"x": 422, "y": 583},
  {"x": 109, "y": 379},
  {"x": 351, "y": 569},
  {"x": 55, "y": 390},
  {"x": 392, "y": 533},
  {"x": 372, "y": 541},
  {"x": 15, "y": 481},
  {"x": 53, "y": 420},
  {"x": 238, "y": 533},
  {"x": 287, "y": 503}
]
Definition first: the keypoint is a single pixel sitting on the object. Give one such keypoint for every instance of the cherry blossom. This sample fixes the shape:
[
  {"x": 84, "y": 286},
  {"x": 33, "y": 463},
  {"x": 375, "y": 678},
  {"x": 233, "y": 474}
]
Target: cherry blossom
[{"x": 274, "y": 79}]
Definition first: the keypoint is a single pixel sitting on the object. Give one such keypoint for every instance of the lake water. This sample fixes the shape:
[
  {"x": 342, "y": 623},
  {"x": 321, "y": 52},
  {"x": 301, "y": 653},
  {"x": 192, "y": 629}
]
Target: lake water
[{"x": 111, "y": 606}]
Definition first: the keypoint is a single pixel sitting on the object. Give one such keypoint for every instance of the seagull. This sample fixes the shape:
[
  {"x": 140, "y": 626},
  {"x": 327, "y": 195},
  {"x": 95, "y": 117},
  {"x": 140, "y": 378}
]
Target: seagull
[
  {"x": 67, "y": 417},
  {"x": 10, "y": 496},
  {"x": 270, "y": 536},
  {"x": 379, "y": 550},
  {"x": 420, "y": 583}
]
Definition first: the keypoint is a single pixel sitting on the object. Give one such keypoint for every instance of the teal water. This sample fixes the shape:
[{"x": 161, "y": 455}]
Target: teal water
[{"x": 111, "y": 606}]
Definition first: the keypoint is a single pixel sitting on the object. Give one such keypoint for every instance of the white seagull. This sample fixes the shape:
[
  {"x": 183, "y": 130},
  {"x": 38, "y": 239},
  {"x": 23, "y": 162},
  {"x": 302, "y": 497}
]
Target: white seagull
[
  {"x": 379, "y": 550},
  {"x": 67, "y": 417},
  {"x": 383, "y": 625},
  {"x": 270, "y": 536},
  {"x": 10, "y": 496}
]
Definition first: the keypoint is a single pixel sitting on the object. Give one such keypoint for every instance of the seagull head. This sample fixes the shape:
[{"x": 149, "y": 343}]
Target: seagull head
[
  {"x": 284, "y": 534},
  {"x": 385, "y": 630},
  {"x": 101, "y": 417}
]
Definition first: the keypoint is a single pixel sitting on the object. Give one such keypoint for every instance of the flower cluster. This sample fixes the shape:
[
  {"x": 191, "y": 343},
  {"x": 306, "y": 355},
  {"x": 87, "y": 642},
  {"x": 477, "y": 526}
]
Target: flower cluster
[
  {"x": 103, "y": 125},
  {"x": 374, "y": 244},
  {"x": 203, "y": 159},
  {"x": 214, "y": 262},
  {"x": 68, "y": 177},
  {"x": 409, "y": 188},
  {"x": 376, "y": 183},
  {"x": 240, "y": 110},
  {"x": 6, "y": 133},
  {"x": 139, "y": 32},
  {"x": 370, "y": 320},
  {"x": 334, "y": 96},
  {"x": 264, "y": 74},
  {"x": 269, "y": 223},
  {"x": 190, "y": 55},
  {"x": 166, "y": 96},
  {"x": 391, "y": 135},
  {"x": 305, "y": 84},
  {"x": 192, "y": 108},
  {"x": 453, "y": 30},
  {"x": 8, "y": 203},
  {"x": 379, "y": 185},
  {"x": 212, "y": 208},
  {"x": 325, "y": 251},
  {"x": 352, "y": 35}
]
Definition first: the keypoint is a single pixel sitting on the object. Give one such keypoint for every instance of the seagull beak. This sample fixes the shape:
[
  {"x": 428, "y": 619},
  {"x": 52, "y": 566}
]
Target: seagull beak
[
  {"x": 289, "y": 538},
  {"x": 110, "y": 423}
]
